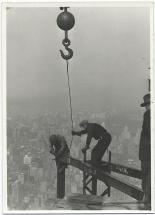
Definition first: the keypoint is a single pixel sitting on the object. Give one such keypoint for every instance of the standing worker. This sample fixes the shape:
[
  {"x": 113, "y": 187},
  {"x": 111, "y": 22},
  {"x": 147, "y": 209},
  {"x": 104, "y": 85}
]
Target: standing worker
[
  {"x": 145, "y": 153},
  {"x": 94, "y": 130}
]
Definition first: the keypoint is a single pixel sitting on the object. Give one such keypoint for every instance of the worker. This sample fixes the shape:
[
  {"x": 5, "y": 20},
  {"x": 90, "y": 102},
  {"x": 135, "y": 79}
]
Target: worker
[
  {"x": 94, "y": 130},
  {"x": 145, "y": 152},
  {"x": 59, "y": 148}
]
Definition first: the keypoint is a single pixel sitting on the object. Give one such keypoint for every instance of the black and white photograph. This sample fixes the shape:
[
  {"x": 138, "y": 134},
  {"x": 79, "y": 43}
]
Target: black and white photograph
[{"x": 77, "y": 107}]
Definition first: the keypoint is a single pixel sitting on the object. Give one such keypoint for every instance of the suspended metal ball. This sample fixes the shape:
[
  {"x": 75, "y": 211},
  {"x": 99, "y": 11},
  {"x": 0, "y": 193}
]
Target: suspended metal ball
[{"x": 65, "y": 21}]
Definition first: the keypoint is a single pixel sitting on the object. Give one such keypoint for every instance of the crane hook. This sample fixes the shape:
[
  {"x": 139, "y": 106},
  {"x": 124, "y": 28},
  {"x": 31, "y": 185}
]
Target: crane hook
[
  {"x": 66, "y": 21},
  {"x": 66, "y": 42}
]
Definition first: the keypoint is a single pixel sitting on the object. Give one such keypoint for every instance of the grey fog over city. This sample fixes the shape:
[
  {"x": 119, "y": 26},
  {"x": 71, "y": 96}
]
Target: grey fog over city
[{"x": 109, "y": 74}]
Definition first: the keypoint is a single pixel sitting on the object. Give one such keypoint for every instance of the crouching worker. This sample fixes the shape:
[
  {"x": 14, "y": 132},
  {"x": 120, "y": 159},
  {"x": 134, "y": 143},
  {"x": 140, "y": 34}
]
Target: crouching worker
[
  {"x": 96, "y": 131},
  {"x": 59, "y": 148}
]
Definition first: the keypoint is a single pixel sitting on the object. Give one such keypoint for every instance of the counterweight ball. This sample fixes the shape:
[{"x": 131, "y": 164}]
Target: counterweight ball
[{"x": 65, "y": 21}]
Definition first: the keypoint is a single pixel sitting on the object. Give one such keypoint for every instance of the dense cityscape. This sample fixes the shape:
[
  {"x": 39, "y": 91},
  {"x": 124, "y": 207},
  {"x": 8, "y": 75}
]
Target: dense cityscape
[{"x": 31, "y": 170}]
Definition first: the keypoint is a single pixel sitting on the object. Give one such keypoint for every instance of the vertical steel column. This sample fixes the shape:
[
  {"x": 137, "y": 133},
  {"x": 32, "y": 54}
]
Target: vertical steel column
[
  {"x": 109, "y": 170},
  {"x": 84, "y": 174},
  {"x": 94, "y": 185},
  {"x": 149, "y": 84},
  {"x": 60, "y": 182}
]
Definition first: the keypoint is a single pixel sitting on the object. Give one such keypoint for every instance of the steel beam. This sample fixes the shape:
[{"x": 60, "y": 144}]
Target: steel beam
[
  {"x": 124, "y": 170},
  {"x": 107, "y": 178},
  {"x": 118, "y": 184}
]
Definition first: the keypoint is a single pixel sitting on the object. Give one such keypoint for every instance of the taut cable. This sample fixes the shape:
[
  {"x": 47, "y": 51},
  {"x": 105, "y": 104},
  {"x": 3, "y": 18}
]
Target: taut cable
[{"x": 70, "y": 100}]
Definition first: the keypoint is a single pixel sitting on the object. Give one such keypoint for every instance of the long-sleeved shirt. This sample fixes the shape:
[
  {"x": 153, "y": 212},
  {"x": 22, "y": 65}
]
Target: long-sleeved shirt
[
  {"x": 145, "y": 140},
  {"x": 93, "y": 130},
  {"x": 59, "y": 145}
]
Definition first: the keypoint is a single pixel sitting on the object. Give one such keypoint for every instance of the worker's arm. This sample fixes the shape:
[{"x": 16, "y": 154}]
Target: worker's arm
[
  {"x": 145, "y": 133},
  {"x": 147, "y": 124},
  {"x": 88, "y": 141},
  {"x": 52, "y": 151},
  {"x": 87, "y": 145},
  {"x": 62, "y": 148},
  {"x": 79, "y": 133}
]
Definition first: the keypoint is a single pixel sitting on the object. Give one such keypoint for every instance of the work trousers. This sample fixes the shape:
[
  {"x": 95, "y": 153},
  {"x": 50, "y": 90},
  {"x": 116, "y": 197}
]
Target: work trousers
[
  {"x": 99, "y": 150},
  {"x": 146, "y": 180},
  {"x": 62, "y": 160}
]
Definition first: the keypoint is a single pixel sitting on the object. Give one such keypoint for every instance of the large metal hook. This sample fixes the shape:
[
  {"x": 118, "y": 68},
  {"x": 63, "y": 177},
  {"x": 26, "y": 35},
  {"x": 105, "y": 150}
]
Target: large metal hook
[{"x": 66, "y": 42}]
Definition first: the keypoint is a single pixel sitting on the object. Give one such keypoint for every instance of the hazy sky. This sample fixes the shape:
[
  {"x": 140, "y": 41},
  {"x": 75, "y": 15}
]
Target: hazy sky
[{"x": 109, "y": 66}]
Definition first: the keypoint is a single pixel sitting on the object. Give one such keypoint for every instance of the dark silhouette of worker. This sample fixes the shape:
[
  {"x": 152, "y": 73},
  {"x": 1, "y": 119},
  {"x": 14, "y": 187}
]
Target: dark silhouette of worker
[
  {"x": 59, "y": 148},
  {"x": 94, "y": 130},
  {"x": 145, "y": 152}
]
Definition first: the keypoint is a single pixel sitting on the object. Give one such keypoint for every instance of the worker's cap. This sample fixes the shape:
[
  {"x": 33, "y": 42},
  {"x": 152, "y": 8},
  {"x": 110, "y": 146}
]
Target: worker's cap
[
  {"x": 146, "y": 99},
  {"x": 83, "y": 123}
]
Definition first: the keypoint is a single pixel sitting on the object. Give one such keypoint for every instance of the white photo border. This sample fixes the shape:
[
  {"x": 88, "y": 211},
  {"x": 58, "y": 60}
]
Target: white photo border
[{"x": 101, "y": 3}]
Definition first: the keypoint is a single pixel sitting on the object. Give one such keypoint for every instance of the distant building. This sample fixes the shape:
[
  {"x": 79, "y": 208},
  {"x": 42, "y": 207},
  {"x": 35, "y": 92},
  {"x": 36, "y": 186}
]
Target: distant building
[
  {"x": 103, "y": 124},
  {"x": 21, "y": 178},
  {"x": 27, "y": 160},
  {"x": 15, "y": 194},
  {"x": 25, "y": 169}
]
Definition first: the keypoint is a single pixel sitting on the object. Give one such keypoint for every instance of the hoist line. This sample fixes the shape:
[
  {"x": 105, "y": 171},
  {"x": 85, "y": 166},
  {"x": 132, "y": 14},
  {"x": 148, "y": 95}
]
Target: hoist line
[{"x": 70, "y": 100}]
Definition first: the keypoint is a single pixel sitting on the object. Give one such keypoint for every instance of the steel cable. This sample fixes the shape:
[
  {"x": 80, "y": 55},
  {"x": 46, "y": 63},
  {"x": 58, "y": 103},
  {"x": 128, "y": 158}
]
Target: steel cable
[{"x": 70, "y": 100}]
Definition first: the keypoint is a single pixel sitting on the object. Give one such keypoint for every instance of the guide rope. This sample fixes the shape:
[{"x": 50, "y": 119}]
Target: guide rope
[{"x": 70, "y": 101}]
